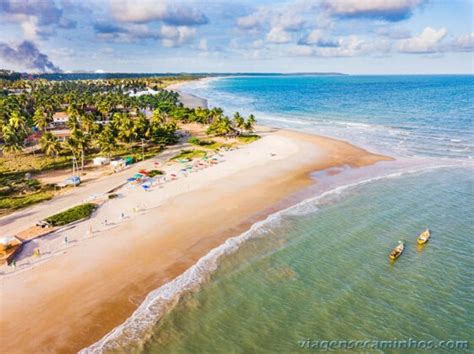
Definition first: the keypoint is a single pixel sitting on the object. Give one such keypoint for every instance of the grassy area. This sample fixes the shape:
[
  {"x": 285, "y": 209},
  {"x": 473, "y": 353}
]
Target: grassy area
[
  {"x": 73, "y": 214},
  {"x": 247, "y": 139},
  {"x": 16, "y": 191},
  {"x": 190, "y": 154},
  {"x": 208, "y": 144},
  {"x": 31, "y": 163},
  {"x": 11, "y": 203}
]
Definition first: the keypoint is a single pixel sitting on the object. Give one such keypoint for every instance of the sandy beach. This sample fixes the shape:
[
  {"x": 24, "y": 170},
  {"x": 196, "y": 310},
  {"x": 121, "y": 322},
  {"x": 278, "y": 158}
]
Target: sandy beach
[{"x": 69, "y": 299}]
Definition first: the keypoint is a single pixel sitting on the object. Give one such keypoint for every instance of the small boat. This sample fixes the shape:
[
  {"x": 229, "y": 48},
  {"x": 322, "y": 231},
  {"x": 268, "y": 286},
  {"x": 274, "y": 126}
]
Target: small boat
[
  {"x": 424, "y": 237},
  {"x": 397, "y": 251}
]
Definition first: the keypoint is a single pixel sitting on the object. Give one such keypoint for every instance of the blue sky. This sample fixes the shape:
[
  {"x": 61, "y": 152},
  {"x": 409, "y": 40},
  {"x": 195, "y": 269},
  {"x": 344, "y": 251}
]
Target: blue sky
[{"x": 350, "y": 36}]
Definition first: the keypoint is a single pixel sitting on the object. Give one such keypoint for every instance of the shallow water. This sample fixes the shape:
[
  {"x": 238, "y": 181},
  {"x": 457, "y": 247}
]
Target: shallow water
[{"x": 325, "y": 275}]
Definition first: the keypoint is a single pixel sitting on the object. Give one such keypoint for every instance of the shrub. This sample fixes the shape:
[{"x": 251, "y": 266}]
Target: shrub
[
  {"x": 154, "y": 173},
  {"x": 246, "y": 139},
  {"x": 73, "y": 214},
  {"x": 199, "y": 142},
  {"x": 113, "y": 196},
  {"x": 190, "y": 154},
  {"x": 9, "y": 204}
]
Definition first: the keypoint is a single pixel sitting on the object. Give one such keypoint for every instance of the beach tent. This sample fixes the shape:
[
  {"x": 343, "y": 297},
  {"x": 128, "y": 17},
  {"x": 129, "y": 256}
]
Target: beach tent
[
  {"x": 118, "y": 164},
  {"x": 100, "y": 161},
  {"x": 128, "y": 160},
  {"x": 7, "y": 241}
]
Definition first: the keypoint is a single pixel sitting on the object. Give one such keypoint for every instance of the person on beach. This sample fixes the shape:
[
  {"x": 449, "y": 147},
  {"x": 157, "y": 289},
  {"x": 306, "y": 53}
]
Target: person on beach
[
  {"x": 37, "y": 252},
  {"x": 66, "y": 240},
  {"x": 123, "y": 215},
  {"x": 13, "y": 264},
  {"x": 105, "y": 222}
]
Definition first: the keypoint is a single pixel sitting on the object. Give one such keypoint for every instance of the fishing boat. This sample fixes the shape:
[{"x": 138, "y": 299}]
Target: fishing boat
[
  {"x": 397, "y": 251},
  {"x": 424, "y": 237}
]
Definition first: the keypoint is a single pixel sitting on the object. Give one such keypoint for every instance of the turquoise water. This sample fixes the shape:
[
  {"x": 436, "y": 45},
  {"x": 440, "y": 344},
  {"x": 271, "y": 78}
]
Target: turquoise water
[
  {"x": 319, "y": 271},
  {"x": 326, "y": 276}
]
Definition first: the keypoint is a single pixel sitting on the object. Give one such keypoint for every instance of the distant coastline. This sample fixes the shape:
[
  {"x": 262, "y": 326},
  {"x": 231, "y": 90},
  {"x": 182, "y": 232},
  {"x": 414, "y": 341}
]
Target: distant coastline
[{"x": 59, "y": 76}]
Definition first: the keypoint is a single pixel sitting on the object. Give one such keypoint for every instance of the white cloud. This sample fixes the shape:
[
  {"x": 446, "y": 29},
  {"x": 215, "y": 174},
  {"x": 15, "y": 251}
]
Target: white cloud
[
  {"x": 390, "y": 10},
  {"x": 174, "y": 36},
  {"x": 463, "y": 43},
  {"x": 143, "y": 11},
  {"x": 427, "y": 42},
  {"x": 301, "y": 50},
  {"x": 289, "y": 21},
  {"x": 37, "y": 19},
  {"x": 253, "y": 21},
  {"x": 346, "y": 47},
  {"x": 203, "y": 44},
  {"x": 278, "y": 35},
  {"x": 315, "y": 36}
]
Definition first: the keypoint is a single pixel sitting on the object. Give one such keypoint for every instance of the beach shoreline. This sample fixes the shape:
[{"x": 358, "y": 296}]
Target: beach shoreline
[{"x": 88, "y": 289}]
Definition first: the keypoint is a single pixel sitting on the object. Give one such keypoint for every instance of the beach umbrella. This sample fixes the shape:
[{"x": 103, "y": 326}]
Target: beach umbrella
[{"x": 131, "y": 179}]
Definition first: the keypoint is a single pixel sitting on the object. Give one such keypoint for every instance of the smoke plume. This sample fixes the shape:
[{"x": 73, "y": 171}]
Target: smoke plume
[{"x": 27, "y": 55}]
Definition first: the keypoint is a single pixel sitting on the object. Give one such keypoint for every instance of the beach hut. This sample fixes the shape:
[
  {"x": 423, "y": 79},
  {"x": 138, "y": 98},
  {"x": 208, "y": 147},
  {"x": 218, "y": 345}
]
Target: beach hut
[
  {"x": 118, "y": 164},
  {"x": 100, "y": 161}
]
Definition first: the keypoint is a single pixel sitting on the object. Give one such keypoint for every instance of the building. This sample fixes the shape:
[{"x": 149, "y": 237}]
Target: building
[
  {"x": 61, "y": 134},
  {"x": 60, "y": 119}
]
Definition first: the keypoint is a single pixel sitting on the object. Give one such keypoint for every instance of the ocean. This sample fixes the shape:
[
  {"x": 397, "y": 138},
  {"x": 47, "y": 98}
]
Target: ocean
[{"x": 319, "y": 271}]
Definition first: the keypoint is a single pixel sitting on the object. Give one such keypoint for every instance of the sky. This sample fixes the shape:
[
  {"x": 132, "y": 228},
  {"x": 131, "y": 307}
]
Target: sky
[{"x": 155, "y": 36}]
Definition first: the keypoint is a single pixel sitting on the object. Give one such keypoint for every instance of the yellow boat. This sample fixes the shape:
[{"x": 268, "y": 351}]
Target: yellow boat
[
  {"x": 397, "y": 251},
  {"x": 424, "y": 237}
]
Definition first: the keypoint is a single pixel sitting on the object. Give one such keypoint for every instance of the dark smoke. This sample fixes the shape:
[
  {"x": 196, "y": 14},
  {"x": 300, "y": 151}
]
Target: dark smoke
[{"x": 28, "y": 55}]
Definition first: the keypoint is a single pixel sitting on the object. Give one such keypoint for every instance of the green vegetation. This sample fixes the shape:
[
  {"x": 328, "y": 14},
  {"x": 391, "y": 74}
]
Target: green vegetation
[
  {"x": 16, "y": 191},
  {"x": 113, "y": 196},
  {"x": 190, "y": 154},
  {"x": 246, "y": 139},
  {"x": 73, "y": 214},
  {"x": 199, "y": 142},
  {"x": 8, "y": 204},
  {"x": 154, "y": 173},
  {"x": 209, "y": 144}
]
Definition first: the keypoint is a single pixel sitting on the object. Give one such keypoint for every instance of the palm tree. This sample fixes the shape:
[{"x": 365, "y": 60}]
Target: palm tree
[
  {"x": 77, "y": 143},
  {"x": 125, "y": 127},
  {"x": 87, "y": 121},
  {"x": 18, "y": 122},
  {"x": 239, "y": 121},
  {"x": 140, "y": 126},
  {"x": 39, "y": 119},
  {"x": 106, "y": 141},
  {"x": 249, "y": 125},
  {"x": 11, "y": 140},
  {"x": 50, "y": 144}
]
